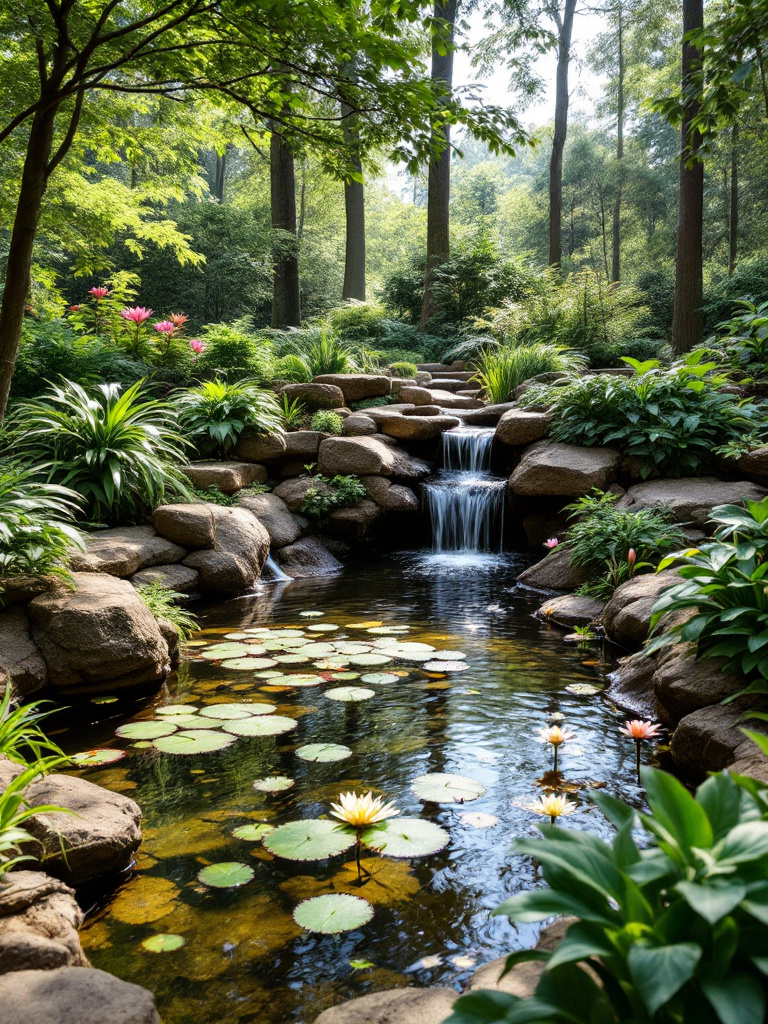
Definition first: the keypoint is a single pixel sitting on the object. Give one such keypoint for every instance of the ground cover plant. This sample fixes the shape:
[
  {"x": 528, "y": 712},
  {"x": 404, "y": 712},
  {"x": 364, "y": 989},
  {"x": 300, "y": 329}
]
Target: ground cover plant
[
  {"x": 327, "y": 422},
  {"x": 164, "y": 604},
  {"x": 345, "y": 492},
  {"x": 500, "y": 369},
  {"x": 215, "y": 413}
]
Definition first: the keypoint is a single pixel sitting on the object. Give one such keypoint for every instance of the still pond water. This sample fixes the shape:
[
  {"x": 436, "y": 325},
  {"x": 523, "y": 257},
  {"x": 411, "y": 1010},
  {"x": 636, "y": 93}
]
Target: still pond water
[{"x": 244, "y": 958}]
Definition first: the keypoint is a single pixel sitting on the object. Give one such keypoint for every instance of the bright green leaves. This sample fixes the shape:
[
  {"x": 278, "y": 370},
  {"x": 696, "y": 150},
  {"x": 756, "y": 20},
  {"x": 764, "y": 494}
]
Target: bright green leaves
[
  {"x": 677, "y": 818},
  {"x": 312, "y": 839},
  {"x": 406, "y": 837},
  {"x": 226, "y": 875},
  {"x": 660, "y": 972},
  {"x": 336, "y": 912}
]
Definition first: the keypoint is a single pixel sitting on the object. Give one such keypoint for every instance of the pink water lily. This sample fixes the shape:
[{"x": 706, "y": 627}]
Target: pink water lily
[
  {"x": 136, "y": 314},
  {"x": 551, "y": 543},
  {"x": 165, "y": 327},
  {"x": 638, "y": 731},
  {"x": 99, "y": 293},
  {"x": 197, "y": 345}
]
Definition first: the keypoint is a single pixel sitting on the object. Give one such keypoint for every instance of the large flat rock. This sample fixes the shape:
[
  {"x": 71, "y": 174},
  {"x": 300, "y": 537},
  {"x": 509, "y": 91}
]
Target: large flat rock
[
  {"x": 275, "y": 516},
  {"x": 394, "y": 1006},
  {"x": 570, "y": 610},
  {"x": 628, "y": 613},
  {"x": 357, "y": 386},
  {"x": 488, "y": 416},
  {"x": 315, "y": 395},
  {"x": 565, "y": 470},
  {"x": 707, "y": 740},
  {"x": 193, "y": 525},
  {"x": 229, "y": 477},
  {"x": 554, "y": 572},
  {"x": 359, "y": 424},
  {"x": 418, "y": 428},
  {"x": 691, "y": 499},
  {"x": 239, "y": 551},
  {"x": 632, "y": 686},
  {"x": 74, "y": 995},
  {"x": 179, "y": 578},
  {"x": 125, "y": 550},
  {"x": 368, "y": 456},
  {"x": 683, "y": 683},
  {"x": 307, "y": 558},
  {"x": 521, "y": 426},
  {"x": 254, "y": 447},
  {"x": 294, "y": 491},
  {"x": 388, "y": 496}
]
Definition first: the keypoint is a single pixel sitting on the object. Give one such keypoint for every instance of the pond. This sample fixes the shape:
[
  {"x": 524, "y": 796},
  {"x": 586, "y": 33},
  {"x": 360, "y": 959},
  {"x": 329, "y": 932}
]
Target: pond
[{"x": 244, "y": 958}]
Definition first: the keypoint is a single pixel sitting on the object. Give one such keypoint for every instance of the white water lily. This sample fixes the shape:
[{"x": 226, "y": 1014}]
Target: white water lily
[{"x": 360, "y": 811}]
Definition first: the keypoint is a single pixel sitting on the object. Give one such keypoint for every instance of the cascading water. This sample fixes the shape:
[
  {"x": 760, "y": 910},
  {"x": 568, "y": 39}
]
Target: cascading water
[{"x": 465, "y": 502}]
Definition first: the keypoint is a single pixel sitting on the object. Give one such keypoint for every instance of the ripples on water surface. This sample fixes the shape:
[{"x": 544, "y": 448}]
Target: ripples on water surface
[{"x": 245, "y": 960}]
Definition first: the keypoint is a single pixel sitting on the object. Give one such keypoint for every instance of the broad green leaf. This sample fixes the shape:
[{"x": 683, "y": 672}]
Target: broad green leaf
[
  {"x": 444, "y": 788},
  {"x": 312, "y": 839},
  {"x": 226, "y": 875},
  {"x": 659, "y": 972},
  {"x": 163, "y": 943},
  {"x": 483, "y": 1007},
  {"x": 713, "y": 900},
  {"x": 406, "y": 837},
  {"x": 581, "y": 941},
  {"x": 721, "y": 799},
  {"x": 737, "y": 999},
  {"x": 675, "y": 812},
  {"x": 336, "y": 912}
]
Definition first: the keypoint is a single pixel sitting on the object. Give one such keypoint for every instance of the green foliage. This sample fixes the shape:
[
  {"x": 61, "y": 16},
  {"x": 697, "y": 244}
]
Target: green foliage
[
  {"x": 291, "y": 410},
  {"x": 671, "y": 915},
  {"x": 292, "y": 368},
  {"x": 320, "y": 350},
  {"x": 404, "y": 369},
  {"x": 501, "y": 370},
  {"x": 36, "y": 531},
  {"x": 748, "y": 281},
  {"x": 215, "y": 496},
  {"x": 237, "y": 352},
  {"x": 744, "y": 338},
  {"x": 346, "y": 492},
  {"x": 163, "y": 605},
  {"x": 328, "y": 422},
  {"x": 358, "y": 322},
  {"x": 723, "y": 585},
  {"x": 670, "y": 421},
  {"x": 214, "y": 414},
  {"x": 601, "y": 536},
  {"x": 120, "y": 452},
  {"x": 22, "y": 739}
]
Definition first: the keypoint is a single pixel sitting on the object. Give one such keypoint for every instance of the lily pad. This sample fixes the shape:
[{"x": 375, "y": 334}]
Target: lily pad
[
  {"x": 318, "y": 650},
  {"x": 346, "y": 675},
  {"x": 274, "y": 784},
  {"x": 219, "y": 651},
  {"x": 292, "y": 659},
  {"x": 302, "y": 680},
  {"x": 583, "y": 689},
  {"x": 196, "y": 722},
  {"x": 226, "y": 875},
  {"x": 323, "y": 752},
  {"x": 253, "y": 833},
  {"x": 450, "y": 655},
  {"x": 248, "y": 664},
  {"x": 366, "y": 660},
  {"x": 177, "y": 709},
  {"x": 387, "y": 630},
  {"x": 336, "y": 912},
  {"x": 378, "y": 678},
  {"x": 445, "y": 666},
  {"x": 97, "y": 757},
  {"x": 444, "y": 788},
  {"x": 104, "y": 700},
  {"x": 237, "y": 710},
  {"x": 406, "y": 646},
  {"x": 311, "y": 615},
  {"x": 406, "y": 837},
  {"x": 261, "y": 725},
  {"x": 352, "y": 647},
  {"x": 322, "y": 627},
  {"x": 145, "y": 730},
  {"x": 163, "y": 943},
  {"x": 349, "y": 693},
  {"x": 415, "y": 656},
  {"x": 194, "y": 741},
  {"x": 334, "y": 664},
  {"x": 312, "y": 839},
  {"x": 479, "y": 820}
]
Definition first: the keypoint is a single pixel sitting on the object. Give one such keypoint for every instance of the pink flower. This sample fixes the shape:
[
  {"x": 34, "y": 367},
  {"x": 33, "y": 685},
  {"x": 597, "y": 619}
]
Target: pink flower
[
  {"x": 551, "y": 543},
  {"x": 637, "y": 730},
  {"x": 197, "y": 345},
  {"x": 75, "y": 309},
  {"x": 99, "y": 293},
  {"x": 631, "y": 558},
  {"x": 137, "y": 314},
  {"x": 165, "y": 327},
  {"x": 178, "y": 319}
]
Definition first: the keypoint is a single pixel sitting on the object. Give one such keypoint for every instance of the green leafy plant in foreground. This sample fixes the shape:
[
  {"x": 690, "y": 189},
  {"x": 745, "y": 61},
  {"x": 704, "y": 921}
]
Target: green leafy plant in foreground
[
  {"x": 22, "y": 739},
  {"x": 120, "y": 452},
  {"x": 162, "y": 602},
  {"x": 291, "y": 410},
  {"x": 744, "y": 338},
  {"x": 328, "y": 422},
  {"x": 601, "y": 537},
  {"x": 214, "y": 414},
  {"x": 672, "y": 922},
  {"x": 345, "y": 492},
  {"x": 501, "y": 369}
]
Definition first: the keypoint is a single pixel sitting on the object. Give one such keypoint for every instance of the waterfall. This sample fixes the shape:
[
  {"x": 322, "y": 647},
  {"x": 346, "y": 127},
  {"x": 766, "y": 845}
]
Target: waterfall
[
  {"x": 276, "y": 574},
  {"x": 465, "y": 502}
]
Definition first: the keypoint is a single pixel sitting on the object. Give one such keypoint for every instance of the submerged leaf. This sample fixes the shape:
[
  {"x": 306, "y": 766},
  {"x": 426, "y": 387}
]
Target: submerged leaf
[
  {"x": 253, "y": 833},
  {"x": 337, "y": 912},
  {"x": 261, "y": 725},
  {"x": 194, "y": 741},
  {"x": 163, "y": 943}
]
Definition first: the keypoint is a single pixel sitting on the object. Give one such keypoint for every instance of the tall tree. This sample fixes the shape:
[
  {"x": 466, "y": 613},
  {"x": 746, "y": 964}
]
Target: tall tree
[
  {"x": 733, "y": 213},
  {"x": 616, "y": 225},
  {"x": 563, "y": 19},
  {"x": 439, "y": 179},
  {"x": 688, "y": 317},
  {"x": 286, "y": 297},
  {"x": 354, "y": 209}
]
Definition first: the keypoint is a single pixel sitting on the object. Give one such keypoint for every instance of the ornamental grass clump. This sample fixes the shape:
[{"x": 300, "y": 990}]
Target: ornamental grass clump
[{"x": 499, "y": 370}]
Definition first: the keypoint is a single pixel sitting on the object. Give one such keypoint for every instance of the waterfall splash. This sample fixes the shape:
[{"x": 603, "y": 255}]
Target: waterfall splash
[
  {"x": 465, "y": 502},
  {"x": 272, "y": 573}
]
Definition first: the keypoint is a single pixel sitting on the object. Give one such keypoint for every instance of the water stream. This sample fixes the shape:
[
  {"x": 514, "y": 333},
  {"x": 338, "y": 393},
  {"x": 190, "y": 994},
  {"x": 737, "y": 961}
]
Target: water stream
[
  {"x": 465, "y": 501},
  {"x": 245, "y": 960}
]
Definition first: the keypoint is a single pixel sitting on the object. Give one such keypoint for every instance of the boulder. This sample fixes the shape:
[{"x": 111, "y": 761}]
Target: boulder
[
  {"x": 303, "y": 445},
  {"x": 392, "y": 1006},
  {"x": 39, "y": 919},
  {"x": 368, "y": 456},
  {"x": 447, "y": 400},
  {"x": 293, "y": 492},
  {"x": 521, "y": 426},
  {"x": 125, "y": 550},
  {"x": 20, "y": 658},
  {"x": 416, "y": 395},
  {"x": 488, "y": 416},
  {"x": 631, "y": 685},
  {"x": 194, "y": 526},
  {"x": 425, "y": 410},
  {"x": 566, "y": 470},
  {"x": 449, "y": 383},
  {"x": 750, "y": 760},
  {"x": 628, "y": 613},
  {"x": 388, "y": 496},
  {"x": 707, "y": 740},
  {"x": 357, "y": 386},
  {"x": 274, "y": 515},
  {"x": 358, "y": 425},
  {"x": 690, "y": 499},
  {"x": 229, "y": 477},
  {"x": 571, "y": 610},
  {"x": 179, "y": 578},
  {"x": 20, "y": 589},
  {"x": 683, "y": 683},
  {"x": 254, "y": 447},
  {"x": 351, "y": 524},
  {"x": 315, "y": 395},
  {"x": 419, "y": 428},
  {"x": 239, "y": 551},
  {"x": 306, "y": 558},
  {"x": 71, "y": 995},
  {"x": 554, "y": 572},
  {"x": 754, "y": 462},
  {"x": 98, "y": 837},
  {"x": 523, "y": 978},
  {"x": 101, "y": 636},
  {"x": 381, "y": 413}
]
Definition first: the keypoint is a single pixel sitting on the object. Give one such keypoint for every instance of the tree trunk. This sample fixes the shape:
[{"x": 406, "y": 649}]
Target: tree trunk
[
  {"x": 354, "y": 208},
  {"x": 439, "y": 183},
  {"x": 733, "y": 220},
  {"x": 616, "y": 241},
  {"x": 564, "y": 33},
  {"x": 34, "y": 179},
  {"x": 286, "y": 296},
  {"x": 688, "y": 318},
  {"x": 221, "y": 174}
]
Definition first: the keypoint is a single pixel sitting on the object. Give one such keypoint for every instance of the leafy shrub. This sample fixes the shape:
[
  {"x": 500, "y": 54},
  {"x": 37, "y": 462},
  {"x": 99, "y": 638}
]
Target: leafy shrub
[
  {"x": 291, "y": 410},
  {"x": 292, "y": 368},
  {"x": 500, "y": 370},
  {"x": 602, "y": 535},
  {"x": 748, "y": 281},
  {"x": 22, "y": 739},
  {"x": 214, "y": 414},
  {"x": 723, "y": 582},
  {"x": 237, "y": 352},
  {"x": 36, "y": 531},
  {"x": 358, "y": 321},
  {"x": 215, "y": 496},
  {"x": 328, "y": 422},
  {"x": 163, "y": 605},
  {"x": 671, "y": 923},
  {"x": 322, "y": 351},
  {"x": 404, "y": 369},
  {"x": 347, "y": 491},
  {"x": 744, "y": 338},
  {"x": 120, "y": 452},
  {"x": 670, "y": 421},
  {"x": 612, "y": 354}
]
